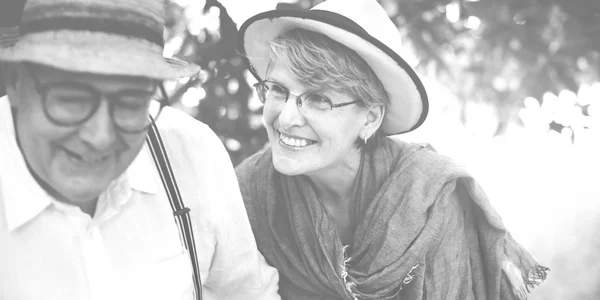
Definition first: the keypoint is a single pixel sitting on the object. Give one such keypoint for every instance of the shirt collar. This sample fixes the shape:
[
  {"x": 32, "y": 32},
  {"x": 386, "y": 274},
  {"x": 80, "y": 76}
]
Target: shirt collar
[
  {"x": 139, "y": 176},
  {"x": 22, "y": 196},
  {"x": 142, "y": 173}
]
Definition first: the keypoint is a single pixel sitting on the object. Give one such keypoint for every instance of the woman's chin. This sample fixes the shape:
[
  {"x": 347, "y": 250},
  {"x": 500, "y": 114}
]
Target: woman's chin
[{"x": 287, "y": 166}]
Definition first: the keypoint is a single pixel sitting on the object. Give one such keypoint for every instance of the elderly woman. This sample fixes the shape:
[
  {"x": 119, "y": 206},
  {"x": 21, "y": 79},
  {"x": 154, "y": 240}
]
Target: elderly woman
[{"x": 342, "y": 210}]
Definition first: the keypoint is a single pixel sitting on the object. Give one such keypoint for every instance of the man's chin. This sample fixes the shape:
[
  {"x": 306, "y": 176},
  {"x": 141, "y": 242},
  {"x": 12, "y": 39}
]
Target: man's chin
[{"x": 79, "y": 192}]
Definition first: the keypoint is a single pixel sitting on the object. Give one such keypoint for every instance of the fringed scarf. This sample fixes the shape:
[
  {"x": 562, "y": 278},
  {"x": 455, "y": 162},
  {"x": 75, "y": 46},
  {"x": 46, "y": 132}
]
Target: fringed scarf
[{"x": 424, "y": 230}]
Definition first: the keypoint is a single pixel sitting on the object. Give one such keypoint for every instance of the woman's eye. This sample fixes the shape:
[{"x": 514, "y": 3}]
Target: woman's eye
[
  {"x": 316, "y": 98},
  {"x": 277, "y": 89}
]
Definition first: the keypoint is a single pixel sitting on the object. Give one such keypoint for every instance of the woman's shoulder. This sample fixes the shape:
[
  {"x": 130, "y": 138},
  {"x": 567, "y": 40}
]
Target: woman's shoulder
[
  {"x": 252, "y": 164},
  {"x": 423, "y": 159}
]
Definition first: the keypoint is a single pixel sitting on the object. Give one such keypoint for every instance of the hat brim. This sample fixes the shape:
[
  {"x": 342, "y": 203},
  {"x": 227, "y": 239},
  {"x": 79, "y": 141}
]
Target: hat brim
[
  {"x": 408, "y": 106},
  {"x": 97, "y": 53}
]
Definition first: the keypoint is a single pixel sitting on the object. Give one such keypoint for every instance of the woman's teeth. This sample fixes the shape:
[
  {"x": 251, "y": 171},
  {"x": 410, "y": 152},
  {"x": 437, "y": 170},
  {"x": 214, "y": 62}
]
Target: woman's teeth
[{"x": 294, "y": 142}]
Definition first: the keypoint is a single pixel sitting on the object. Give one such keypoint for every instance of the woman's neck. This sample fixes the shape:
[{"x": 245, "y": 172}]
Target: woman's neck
[{"x": 335, "y": 185}]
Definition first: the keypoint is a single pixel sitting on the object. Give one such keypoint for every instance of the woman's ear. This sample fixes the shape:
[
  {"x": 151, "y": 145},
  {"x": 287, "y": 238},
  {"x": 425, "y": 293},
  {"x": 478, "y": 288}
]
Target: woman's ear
[{"x": 374, "y": 118}]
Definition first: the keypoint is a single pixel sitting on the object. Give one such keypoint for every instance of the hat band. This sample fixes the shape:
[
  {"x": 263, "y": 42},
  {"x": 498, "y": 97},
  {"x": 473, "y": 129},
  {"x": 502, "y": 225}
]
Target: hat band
[
  {"x": 118, "y": 27},
  {"x": 8, "y": 36}
]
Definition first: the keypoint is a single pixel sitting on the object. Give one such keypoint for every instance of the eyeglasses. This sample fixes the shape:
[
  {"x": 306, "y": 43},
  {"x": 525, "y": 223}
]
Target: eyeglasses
[
  {"x": 311, "y": 101},
  {"x": 69, "y": 103}
]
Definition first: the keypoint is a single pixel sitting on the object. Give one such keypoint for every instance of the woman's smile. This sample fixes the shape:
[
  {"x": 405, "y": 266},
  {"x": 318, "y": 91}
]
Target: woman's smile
[{"x": 293, "y": 141}]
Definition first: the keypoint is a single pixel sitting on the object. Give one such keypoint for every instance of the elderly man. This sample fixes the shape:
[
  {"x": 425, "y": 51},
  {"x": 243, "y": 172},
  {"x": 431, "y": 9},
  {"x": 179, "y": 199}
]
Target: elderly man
[{"x": 83, "y": 210}]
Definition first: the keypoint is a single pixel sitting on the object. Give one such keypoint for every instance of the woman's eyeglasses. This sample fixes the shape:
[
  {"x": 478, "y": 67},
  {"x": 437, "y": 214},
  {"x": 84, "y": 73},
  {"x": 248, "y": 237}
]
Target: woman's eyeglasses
[{"x": 269, "y": 91}]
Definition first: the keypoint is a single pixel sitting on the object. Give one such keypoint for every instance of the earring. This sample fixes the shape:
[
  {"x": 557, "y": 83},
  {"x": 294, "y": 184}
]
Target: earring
[{"x": 365, "y": 139}]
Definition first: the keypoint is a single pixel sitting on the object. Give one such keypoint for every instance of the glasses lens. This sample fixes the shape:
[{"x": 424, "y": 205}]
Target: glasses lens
[
  {"x": 68, "y": 104},
  {"x": 132, "y": 110},
  {"x": 276, "y": 91},
  {"x": 316, "y": 101}
]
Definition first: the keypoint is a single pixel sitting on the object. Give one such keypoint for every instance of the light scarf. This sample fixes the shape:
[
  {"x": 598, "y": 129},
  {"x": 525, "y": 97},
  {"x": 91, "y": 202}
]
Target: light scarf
[{"x": 424, "y": 230}]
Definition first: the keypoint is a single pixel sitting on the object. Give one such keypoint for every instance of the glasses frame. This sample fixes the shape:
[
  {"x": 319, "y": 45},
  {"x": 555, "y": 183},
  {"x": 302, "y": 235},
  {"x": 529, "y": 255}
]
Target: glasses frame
[
  {"x": 42, "y": 90},
  {"x": 298, "y": 98}
]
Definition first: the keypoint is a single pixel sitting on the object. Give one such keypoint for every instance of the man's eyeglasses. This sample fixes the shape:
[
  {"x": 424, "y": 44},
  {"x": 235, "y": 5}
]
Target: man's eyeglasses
[
  {"x": 309, "y": 101},
  {"x": 73, "y": 103}
]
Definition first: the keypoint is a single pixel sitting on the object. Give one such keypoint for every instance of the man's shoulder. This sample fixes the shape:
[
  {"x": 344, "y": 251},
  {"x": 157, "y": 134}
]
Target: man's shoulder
[
  {"x": 193, "y": 147},
  {"x": 200, "y": 163},
  {"x": 182, "y": 131},
  {"x": 172, "y": 120}
]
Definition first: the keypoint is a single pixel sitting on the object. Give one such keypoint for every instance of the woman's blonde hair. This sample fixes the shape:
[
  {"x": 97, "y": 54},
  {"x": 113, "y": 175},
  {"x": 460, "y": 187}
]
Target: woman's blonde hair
[{"x": 320, "y": 62}]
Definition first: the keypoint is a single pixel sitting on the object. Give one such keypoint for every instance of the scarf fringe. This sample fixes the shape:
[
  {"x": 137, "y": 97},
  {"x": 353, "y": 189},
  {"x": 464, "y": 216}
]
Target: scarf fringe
[
  {"x": 409, "y": 277},
  {"x": 350, "y": 286},
  {"x": 536, "y": 276},
  {"x": 523, "y": 280}
]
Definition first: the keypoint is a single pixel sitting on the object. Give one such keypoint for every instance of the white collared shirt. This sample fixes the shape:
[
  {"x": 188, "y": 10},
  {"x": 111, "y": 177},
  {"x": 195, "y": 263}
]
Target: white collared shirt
[{"x": 131, "y": 248}]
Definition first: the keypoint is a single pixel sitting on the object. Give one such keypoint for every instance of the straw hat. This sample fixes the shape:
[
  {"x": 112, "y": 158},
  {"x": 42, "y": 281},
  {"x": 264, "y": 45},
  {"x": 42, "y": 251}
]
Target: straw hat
[
  {"x": 119, "y": 37},
  {"x": 361, "y": 25}
]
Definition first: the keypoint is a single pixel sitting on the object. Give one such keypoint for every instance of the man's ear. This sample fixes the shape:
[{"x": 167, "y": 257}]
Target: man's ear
[
  {"x": 374, "y": 118},
  {"x": 12, "y": 73},
  {"x": 9, "y": 70}
]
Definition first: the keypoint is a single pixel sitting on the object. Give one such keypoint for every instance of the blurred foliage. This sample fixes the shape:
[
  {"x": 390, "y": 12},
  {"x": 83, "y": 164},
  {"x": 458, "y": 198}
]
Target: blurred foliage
[
  {"x": 497, "y": 52},
  {"x": 204, "y": 33},
  {"x": 503, "y": 51}
]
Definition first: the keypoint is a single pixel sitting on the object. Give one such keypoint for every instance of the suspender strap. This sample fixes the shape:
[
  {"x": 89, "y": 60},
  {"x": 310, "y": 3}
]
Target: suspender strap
[{"x": 180, "y": 212}]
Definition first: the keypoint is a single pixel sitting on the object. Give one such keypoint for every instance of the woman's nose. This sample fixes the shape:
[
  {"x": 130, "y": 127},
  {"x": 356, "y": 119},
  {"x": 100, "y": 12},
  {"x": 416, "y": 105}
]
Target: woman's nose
[{"x": 290, "y": 114}]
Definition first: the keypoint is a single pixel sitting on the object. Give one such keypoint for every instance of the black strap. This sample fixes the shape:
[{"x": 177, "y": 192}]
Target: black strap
[{"x": 181, "y": 213}]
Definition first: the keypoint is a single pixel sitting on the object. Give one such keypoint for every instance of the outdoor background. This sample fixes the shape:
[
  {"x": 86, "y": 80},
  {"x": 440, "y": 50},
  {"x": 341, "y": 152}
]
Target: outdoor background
[{"x": 514, "y": 93}]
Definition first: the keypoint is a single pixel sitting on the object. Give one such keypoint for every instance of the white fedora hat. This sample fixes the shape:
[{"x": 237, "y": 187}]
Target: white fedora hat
[
  {"x": 119, "y": 37},
  {"x": 362, "y": 26}
]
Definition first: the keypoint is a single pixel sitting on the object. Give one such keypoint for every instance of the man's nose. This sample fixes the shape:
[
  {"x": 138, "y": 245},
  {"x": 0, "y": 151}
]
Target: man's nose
[
  {"x": 99, "y": 132},
  {"x": 290, "y": 114}
]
